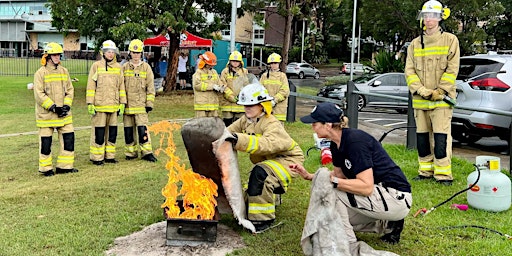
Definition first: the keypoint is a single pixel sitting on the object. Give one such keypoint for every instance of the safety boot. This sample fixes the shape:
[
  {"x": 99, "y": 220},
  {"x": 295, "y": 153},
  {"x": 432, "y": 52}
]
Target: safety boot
[
  {"x": 97, "y": 162},
  {"x": 262, "y": 225},
  {"x": 396, "y": 229},
  {"x": 47, "y": 173},
  {"x": 131, "y": 157},
  {"x": 111, "y": 161},
  {"x": 64, "y": 171},
  {"x": 150, "y": 158}
]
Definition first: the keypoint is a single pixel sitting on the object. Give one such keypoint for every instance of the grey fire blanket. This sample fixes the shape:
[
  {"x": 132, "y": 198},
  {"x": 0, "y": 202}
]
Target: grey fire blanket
[
  {"x": 323, "y": 233},
  {"x": 212, "y": 156}
]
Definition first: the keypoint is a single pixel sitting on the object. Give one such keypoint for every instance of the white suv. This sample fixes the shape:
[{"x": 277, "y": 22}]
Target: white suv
[{"x": 484, "y": 82}]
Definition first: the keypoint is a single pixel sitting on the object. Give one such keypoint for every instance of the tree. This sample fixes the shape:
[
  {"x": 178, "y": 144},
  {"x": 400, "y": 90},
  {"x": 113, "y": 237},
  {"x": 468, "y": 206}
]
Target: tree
[{"x": 123, "y": 20}]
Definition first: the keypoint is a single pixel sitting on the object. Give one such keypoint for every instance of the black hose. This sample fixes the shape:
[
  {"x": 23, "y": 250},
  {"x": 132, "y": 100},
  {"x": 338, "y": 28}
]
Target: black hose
[
  {"x": 462, "y": 191},
  {"x": 396, "y": 128},
  {"x": 480, "y": 227}
]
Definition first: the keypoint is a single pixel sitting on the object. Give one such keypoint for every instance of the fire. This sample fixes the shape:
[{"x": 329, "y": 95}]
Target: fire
[{"x": 196, "y": 191}]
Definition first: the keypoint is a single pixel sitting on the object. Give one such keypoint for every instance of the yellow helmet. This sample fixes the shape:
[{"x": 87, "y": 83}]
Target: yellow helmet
[
  {"x": 235, "y": 55},
  {"x": 136, "y": 45},
  {"x": 274, "y": 58},
  {"x": 53, "y": 48}
]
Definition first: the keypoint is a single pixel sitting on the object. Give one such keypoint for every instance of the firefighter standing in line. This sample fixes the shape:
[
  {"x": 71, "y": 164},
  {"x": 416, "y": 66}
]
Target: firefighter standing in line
[
  {"x": 53, "y": 93},
  {"x": 140, "y": 95},
  {"x": 105, "y": 98},
  {"x": 207, "y": 88},
  {"x": 234, "y": 72},
  {"x": 276, "y": 83},
  {"x": 271, "y": 150},
  {"x": 431, "y": 69}
]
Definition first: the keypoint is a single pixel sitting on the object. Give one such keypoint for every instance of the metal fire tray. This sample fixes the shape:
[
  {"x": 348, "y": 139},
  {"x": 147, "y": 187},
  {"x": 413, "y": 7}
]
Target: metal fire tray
[{"x": 181, "y": 232}]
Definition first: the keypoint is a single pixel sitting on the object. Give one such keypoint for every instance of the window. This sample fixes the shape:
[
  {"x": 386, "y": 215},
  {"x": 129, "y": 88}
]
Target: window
[
  {"x": 259, "y": 33},
  {"x": 226, "y": 32}
]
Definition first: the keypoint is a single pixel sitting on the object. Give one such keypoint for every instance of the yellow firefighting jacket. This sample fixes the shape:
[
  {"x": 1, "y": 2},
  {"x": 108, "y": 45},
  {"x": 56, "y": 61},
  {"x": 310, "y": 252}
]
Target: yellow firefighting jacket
[
  {"x": 268, "y": 144},
  {"x": 434, "y": 66},
  {"x": 276, "y": 83},
  {"x": 105, "y": 86},
  {"x": 205, "y": 98},
  {"x": 140, "y": 87},
  {"x": 52, "y": 85},
  {"x": 227, "y": 77}
]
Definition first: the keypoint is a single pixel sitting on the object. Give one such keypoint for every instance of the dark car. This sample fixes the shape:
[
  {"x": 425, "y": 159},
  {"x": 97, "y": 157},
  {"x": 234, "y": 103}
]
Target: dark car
[{"x": 389, "y": 83}]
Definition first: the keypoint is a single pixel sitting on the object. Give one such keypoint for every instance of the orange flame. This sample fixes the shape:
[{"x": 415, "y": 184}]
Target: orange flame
[{"x": 197, "y": 192}]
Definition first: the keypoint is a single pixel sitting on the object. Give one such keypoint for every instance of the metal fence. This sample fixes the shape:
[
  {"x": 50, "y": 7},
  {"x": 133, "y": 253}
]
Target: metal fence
[{"x": 77, "y": 62}]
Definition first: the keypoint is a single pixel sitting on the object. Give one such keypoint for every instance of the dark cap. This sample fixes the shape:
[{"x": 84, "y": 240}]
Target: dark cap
[{"x": 324, "y": 112}]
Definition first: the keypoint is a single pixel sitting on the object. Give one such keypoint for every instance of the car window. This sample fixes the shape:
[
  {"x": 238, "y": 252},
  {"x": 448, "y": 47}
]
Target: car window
[
  {"x": 389, "y": 80},
  {"x": 364, "y": 78},
  {"x": 473, "y": 67}
]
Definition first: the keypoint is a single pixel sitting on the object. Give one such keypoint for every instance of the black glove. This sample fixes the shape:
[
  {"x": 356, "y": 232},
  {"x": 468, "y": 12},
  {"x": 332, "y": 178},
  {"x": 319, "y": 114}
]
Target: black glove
[
  {"x": 58, "y": 111},
  {"x": 148, "y": 109},
  {"x": 52, "y": 108},
  {"x": 65, "y": 110},
  {"x": 233, "y": 139}
]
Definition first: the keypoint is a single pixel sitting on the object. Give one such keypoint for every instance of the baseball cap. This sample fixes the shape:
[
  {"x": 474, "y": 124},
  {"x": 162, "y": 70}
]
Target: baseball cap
[{"x": 324, "y": 112}]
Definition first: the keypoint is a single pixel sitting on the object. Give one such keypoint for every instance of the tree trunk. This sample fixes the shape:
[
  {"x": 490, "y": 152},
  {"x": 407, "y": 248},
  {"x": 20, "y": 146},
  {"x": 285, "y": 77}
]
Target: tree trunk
[
  {"x": 287, "y": 35},
  {"x": 172, "y": 68}
]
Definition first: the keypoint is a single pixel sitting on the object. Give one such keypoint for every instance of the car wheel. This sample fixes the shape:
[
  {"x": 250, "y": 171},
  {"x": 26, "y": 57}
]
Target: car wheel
[
  {"x": 360, "y": 102},
  {"x": 317, "y": 75},
  {"x": 464, "y": 137},
  {"x": 301, "y": 75}
]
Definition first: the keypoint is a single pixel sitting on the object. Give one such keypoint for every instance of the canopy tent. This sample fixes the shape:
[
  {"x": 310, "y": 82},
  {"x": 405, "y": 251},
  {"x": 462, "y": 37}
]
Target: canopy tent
[{"x": 187, "y": 40}]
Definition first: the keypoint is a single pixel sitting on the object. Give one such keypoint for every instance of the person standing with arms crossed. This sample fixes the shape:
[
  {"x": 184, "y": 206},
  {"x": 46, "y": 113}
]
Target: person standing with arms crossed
[
  {"x": 182, "y": 70},
  {"x": 53, "y": 93},
  {"x": 276, "y": 83},
  {"x": 140, "y": 95},
  {"x": 232, "y": 73},
  {"x": 431, "y": 69},
  {"x": 106, "y": 99}
]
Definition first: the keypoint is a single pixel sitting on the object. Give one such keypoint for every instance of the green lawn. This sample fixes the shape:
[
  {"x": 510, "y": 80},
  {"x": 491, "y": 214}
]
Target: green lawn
[{"x": 82, "y": 213}]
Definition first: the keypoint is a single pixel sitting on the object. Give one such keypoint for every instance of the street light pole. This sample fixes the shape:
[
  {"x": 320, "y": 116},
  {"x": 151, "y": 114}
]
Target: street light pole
[
  {"x": 233, "y": 24},
  {"x": 302, "y": 47}
]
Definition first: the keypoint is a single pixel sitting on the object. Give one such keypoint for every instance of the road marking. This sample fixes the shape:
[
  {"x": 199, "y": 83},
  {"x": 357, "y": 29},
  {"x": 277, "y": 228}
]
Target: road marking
[{"x": 397, "y": 123}]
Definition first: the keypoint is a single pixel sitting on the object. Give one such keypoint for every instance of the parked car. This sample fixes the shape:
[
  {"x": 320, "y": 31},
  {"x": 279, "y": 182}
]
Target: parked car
[
  {"x": 302, "y": 70},
  {"x": 359, "y": 69},
  {"x": 483, "y": 82},
  {"x": 389, "y": 83}
]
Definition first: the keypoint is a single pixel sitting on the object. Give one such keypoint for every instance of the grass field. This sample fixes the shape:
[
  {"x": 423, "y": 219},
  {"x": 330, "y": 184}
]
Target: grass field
[{"x": 82, "y": 213}]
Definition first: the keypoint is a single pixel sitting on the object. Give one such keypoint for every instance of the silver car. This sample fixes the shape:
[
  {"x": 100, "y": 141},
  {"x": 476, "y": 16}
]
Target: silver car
[
  {"x": 389, "y": 83},
  {"x": 483, "y": 82},
  {"x": 302, "y": 70}
]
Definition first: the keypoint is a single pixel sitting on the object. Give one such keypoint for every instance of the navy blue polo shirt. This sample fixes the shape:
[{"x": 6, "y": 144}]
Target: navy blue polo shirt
[{"x": 359, "y": 151}]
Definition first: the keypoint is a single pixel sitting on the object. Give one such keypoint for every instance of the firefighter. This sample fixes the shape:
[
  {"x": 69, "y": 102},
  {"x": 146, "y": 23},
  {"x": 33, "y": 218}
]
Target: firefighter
[
  {"x": 233, "y": 73},
  {"x": 207, "y": 88},
  {"x": 53, "y": 93},
  {"x": 276, "y": 83},
  {"x": 105, "y": 98},
  {"x": 140, "y": 96},
  {"x": 271, "y": 150},
  {"x": 431, "y": 69}
]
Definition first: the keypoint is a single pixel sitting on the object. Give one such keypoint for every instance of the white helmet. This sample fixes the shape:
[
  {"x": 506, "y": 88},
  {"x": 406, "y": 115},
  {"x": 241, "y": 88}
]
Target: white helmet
[
  {"x": 253, "y": 94},
  {"x": 432, "y": 9},
  {"x": 108, "y": 45}
]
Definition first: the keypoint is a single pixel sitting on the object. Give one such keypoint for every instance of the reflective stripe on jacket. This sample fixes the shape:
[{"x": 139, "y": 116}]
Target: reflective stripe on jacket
[
  {"x": 205, "y": 98},
  {"x": 239, "y": 76},
  {"x": 434, "y": 66},
  {"x": 268, "y": 144},
  {"x": 105, "y": 86},
  {"x": 276, "y": 83},
  {"x": 140, "y": 87},
  {"x": 52, "y": 85}
]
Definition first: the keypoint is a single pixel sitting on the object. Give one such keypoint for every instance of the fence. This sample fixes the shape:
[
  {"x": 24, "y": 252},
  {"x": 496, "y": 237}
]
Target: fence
[
  {"x": 77, "y": 62},
  {"x": 353, "y": 114}
]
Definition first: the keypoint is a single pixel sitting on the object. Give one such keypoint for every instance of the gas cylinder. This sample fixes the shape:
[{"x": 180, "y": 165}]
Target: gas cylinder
[
  {"x": 326, "y": 156},
  {"x": 492, "y": 192}
]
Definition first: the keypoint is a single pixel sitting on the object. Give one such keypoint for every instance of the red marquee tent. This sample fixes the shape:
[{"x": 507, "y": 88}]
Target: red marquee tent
[{"x": 187, "y": 40}]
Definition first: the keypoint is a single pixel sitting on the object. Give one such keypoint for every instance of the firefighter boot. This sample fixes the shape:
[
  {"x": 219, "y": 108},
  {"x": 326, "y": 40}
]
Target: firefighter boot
[
  {"x": 47, "y": 173},
  {"x": 64, "y": 171},
  {"x": 111, "y": 160},
  {"x": 396, "y": 229},
  {"x": 150, "y": 158}
]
